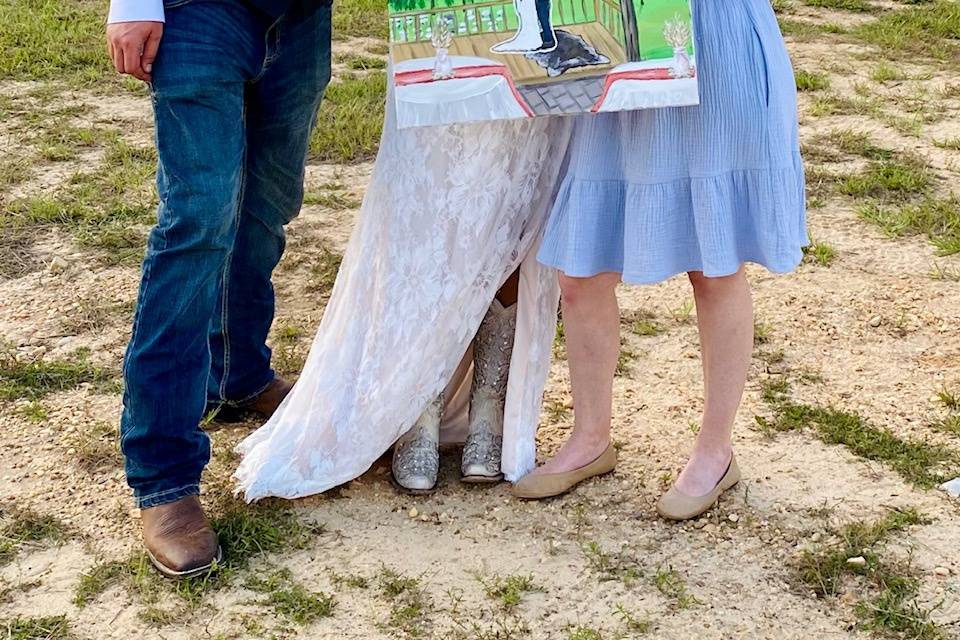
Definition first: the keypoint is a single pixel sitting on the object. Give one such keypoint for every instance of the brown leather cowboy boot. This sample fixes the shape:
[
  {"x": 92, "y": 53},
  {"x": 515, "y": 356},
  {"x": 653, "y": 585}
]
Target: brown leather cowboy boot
[
  {"x": 267, "y": 403},
  {"x": 179, "y": 539},
  {"x": 264, "y": 405}
]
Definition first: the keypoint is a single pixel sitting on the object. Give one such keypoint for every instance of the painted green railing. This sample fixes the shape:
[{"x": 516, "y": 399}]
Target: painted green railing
[
  {"x": 610, "y": 15},
  {"x": 470, "y": 18},
  {"x": 467, "y": 19}
]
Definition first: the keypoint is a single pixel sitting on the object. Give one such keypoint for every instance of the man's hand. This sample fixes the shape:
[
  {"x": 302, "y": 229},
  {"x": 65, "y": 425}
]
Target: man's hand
[{"x": 133, "y": 47}]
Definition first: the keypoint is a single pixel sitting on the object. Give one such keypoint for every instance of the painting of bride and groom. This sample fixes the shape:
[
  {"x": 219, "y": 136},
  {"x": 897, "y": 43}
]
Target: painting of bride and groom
[{"x": 470, "y": 60}]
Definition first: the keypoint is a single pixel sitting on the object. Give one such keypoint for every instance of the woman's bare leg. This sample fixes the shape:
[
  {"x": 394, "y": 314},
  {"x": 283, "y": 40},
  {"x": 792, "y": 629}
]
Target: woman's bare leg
[
  {"x": 591, "y": 318},
  {"x": 725, "y": 319}
]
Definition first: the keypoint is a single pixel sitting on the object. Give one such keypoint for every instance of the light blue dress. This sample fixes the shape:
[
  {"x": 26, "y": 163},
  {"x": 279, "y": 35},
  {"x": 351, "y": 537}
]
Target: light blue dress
[{"x": 651, "y": 194}]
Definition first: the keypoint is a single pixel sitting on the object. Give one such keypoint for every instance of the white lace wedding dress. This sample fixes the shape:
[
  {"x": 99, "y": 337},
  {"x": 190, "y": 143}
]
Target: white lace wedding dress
[
  {"x": 450, "y": 213},
  {"x": 528, "y": 36}
]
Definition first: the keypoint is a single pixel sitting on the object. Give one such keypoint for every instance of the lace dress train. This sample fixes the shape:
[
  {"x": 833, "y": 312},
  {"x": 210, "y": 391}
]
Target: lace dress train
[{"x": 450, "y": 213}]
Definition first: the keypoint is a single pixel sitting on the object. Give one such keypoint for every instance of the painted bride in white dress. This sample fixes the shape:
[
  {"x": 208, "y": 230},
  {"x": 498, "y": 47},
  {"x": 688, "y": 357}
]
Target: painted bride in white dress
[
  {"x": 450, "y": 214},
  {"x": 535, "y": 32}
]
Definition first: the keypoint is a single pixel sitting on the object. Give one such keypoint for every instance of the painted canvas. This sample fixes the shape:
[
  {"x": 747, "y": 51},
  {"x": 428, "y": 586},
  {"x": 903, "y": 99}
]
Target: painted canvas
[{"x": 471, "y": 60}]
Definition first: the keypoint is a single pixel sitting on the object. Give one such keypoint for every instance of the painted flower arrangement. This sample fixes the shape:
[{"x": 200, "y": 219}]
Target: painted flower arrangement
[
  {"x": 441, "y": 39},
  {"x": 678, "y": 35}
]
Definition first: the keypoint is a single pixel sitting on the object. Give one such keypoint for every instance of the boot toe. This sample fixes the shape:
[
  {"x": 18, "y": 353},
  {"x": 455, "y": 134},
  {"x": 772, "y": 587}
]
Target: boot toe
[
  {"x": 185, "y": 556},
  {"x": 179, "y": 538},
  {"x": 416, "y": 483},
  {"x": 479, "y": 471}
]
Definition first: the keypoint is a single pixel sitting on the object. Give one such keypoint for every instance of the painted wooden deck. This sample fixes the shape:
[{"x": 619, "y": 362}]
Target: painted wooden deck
[{"x": 524, "y": 71}]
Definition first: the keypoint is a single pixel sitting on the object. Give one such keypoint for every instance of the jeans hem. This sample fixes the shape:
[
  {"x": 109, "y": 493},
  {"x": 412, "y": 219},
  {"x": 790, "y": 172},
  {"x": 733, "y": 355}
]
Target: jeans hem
[
  {"x": 253, "y": 396},
  {"x": 166, "y": 497}
]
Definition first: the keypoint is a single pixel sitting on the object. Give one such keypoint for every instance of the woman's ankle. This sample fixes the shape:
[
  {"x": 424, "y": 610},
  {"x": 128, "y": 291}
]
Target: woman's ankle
[
  {"x": 579, "y": 450},
  {"x": 709, "y": 449},
  {"x": 592, "y": 441}
]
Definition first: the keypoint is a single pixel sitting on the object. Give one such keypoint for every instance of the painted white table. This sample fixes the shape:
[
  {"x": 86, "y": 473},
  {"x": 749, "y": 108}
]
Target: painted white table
[
  {"x": 483, "y": 90},
  {"x": 627, "y": 90}
]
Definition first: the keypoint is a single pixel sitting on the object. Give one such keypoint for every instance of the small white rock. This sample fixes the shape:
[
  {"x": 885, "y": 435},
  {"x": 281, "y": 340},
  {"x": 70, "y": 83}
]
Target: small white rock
[
  {"x": 58, "y": 265},
  {"x": 941, "y": 572},
  {"x": 857, "y": 561},
  {"x": 952, "y": 487},
  {"x": 734, "y": 518},
  {"x": 876, "y": 321},
  {"x": 413, "y": 513}
]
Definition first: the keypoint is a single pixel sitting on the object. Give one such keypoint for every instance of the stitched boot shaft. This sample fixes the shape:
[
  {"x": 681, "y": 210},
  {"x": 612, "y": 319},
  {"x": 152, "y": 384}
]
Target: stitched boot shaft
[
  {"x": 493, "y": 349},
  {"x": 416, "y": 456}
]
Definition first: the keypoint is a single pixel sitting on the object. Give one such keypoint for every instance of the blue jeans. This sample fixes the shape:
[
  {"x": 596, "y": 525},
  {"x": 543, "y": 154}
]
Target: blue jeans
[
  {"x": 235, "y": 96},
  {"x": 547, "y": 33}
]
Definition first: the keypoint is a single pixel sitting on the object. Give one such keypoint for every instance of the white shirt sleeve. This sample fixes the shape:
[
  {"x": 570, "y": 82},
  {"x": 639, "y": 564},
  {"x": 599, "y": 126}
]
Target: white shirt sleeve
[{"x": 135, "y": 11}]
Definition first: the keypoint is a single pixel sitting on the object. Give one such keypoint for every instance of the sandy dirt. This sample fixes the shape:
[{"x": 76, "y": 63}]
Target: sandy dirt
[{"x": 736, "y": 562}]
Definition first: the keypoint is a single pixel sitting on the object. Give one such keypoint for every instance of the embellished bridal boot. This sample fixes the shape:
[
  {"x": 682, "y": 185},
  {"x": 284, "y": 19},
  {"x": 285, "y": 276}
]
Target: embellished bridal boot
[
  {"x": 416, "y": 456},
  {"x": 493, "y": 348}
]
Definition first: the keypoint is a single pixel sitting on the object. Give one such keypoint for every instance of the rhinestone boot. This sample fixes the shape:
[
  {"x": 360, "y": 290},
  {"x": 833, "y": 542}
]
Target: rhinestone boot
[
  {"x": 493, "y": 348},
  {"x": 416, "y": 456}
]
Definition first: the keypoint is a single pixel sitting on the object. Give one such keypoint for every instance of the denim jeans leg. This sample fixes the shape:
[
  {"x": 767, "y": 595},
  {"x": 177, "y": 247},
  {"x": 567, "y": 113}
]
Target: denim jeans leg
[
  {"x": 543, "y": 17},
  {"x": 198, "y": 97},
  {"x": 281, "y": 112}
]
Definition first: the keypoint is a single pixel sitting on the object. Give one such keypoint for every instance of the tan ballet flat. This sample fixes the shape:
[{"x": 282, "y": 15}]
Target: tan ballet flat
[
  {"x": 549, "y": 485},
  {"x": 676, "y": 505}
]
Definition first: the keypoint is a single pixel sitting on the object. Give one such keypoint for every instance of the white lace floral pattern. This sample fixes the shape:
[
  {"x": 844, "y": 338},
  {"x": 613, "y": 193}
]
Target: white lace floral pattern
[{"x": 450, "y": 213}]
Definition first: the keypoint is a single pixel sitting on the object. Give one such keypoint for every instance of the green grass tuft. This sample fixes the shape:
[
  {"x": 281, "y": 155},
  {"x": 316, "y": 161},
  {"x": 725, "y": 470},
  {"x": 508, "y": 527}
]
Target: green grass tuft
[
  {"x": 823, "y": 570},
  {"x": 107, "y": 209},
  {"x": 57, "y": 40},
  {"x": 252, "y": 530},
  {"x": 35, "y": 379},
  {"x": 409, "y": 606},
  {"x": 97, "y": 580},
  {"x": 820, "y": 253},
  {"x": 360, "y": 19},
  {"x": 509, "y": 590},
  {"x": 244, "y": 532},
  {"x": 937, "y": 218},
  {"x": 49, "y": 628},
  {"x": 671, "y": 584},
  {"x": 350, "y": 120},
  {"x": 889, "y": 603},
  {"x": 930, "y": 29},
  {"x": 22, "y": 526},
  {"x": 609, "y": 565},
  {"x": 811, "y": 81},
  {"x": 923, "y": 464},
  {"x": 890, "y": 179},
  {"x": 291, "y": 600},
  {"x": 853, "y": 6}
]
